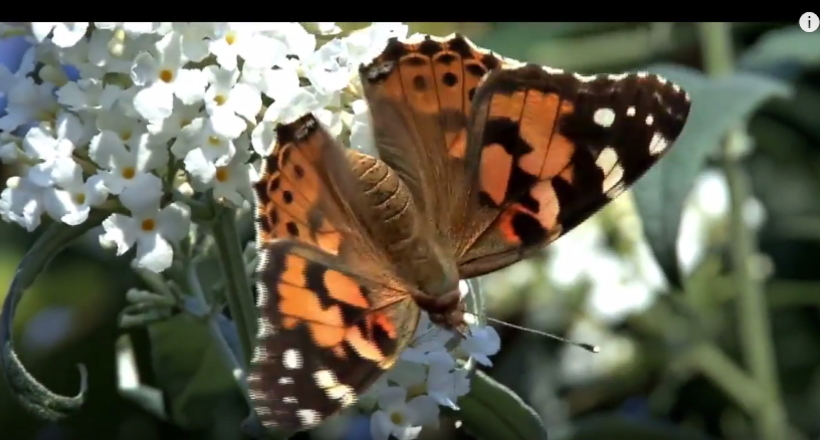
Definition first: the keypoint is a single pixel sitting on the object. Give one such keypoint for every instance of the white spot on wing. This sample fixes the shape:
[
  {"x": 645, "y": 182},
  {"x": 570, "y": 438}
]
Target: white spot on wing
[
  {"x": 649, "y": 120},
  {"x": 604, "y": 117},
  {"x": 325, "y": 379},
  {"x": 284, "y": 380},
  {"x": 309, "y": 417},
  {"x": 290, "y": 399},
  {"x": 260, "y": 355},
  {"x": 658, "y": 144},
  {"x": 584, "y": 78},
  {"x": 264, "y": 328},
  {"x": 607, "y": 161},
  {"x": 630, "y": 111},
  {"x": 291, "y": 359}
]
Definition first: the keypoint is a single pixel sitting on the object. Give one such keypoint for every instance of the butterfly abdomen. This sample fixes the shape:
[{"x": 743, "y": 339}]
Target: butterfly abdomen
[{"x": 399, "y": 226}]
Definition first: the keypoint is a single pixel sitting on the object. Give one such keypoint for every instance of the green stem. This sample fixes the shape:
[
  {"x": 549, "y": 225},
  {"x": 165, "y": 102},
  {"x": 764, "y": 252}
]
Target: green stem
[
  {"x": 237, "y": 287},
  {"x": 233, "y": 364},
  {"x": 755, "y": 329}
]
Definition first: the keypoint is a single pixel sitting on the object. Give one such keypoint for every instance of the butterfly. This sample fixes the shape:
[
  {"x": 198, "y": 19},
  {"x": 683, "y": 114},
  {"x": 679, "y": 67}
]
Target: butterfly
[{"x": 483, "y": 160}]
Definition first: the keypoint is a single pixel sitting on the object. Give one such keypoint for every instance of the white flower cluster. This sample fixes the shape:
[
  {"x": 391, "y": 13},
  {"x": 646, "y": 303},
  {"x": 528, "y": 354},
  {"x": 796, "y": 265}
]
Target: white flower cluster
[
  {"x": 159, "y": 107},
  {"x": 124, "y": 117}
]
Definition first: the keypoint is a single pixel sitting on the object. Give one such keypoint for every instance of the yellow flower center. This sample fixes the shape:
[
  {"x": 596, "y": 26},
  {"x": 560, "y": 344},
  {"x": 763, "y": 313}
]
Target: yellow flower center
[
  {"x": 166, "y": 75},
  {"x": 148, "y": 225},
  {"x": 222, "y": 174},
  {"x": 79, "y": 198},
  {"x": 220, "y": 99},
  {"x": 230, "y": 38},
  {"x": 397, "y": 418},
  {"x": 129, "y": 173},
  {"x": 126, "y": 134},
  {"x": 214, "y": 140}
]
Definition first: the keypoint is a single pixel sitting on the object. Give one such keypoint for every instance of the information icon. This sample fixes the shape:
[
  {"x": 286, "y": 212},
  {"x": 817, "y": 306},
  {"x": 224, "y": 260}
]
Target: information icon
[{"x": 809, "y": 22}]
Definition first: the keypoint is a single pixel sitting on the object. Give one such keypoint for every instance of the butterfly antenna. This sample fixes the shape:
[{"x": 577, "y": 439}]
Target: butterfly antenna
[{"x": 588, "y": 347}]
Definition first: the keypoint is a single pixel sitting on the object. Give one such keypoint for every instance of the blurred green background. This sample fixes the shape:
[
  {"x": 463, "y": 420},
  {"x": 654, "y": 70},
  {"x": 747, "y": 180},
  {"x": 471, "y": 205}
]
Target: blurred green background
[{"x": 674, "y": 361}]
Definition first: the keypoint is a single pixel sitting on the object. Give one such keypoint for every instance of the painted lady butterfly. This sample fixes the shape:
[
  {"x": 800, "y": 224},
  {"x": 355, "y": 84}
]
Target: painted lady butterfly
[{"x": 483, "y": 160}]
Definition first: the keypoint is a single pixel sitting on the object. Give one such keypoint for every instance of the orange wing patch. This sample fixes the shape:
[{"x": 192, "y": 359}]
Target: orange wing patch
[
  {"x": 288, "y": 195},
  {"x": 550, "y": 148}
]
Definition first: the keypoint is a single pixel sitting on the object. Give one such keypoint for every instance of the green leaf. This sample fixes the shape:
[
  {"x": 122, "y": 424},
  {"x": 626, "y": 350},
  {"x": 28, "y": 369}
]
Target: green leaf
[
  {"x": 718, "y": 105},
  {"x": 790, "y": 45},
  {"x": 619, "y": 427},
  {"x": 189, "y": 369},
  {"x": 492, "y": 411}
]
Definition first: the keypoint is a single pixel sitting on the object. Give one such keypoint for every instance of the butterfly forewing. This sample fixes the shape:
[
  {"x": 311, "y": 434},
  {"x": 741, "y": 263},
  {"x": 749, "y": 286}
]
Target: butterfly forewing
[{"x": 547, "y": 149}]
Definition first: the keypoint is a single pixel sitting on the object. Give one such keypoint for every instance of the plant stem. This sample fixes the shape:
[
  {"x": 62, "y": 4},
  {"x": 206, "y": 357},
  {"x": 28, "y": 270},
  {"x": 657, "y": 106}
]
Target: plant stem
[
  {"x": 755, "y": 329},
  {"x": 237, "y": 288}
]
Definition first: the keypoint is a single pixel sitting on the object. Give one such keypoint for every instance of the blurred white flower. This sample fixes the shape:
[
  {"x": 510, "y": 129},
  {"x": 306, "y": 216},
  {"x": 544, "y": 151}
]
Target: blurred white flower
[
  {"x": 401, "y": 418},
  {"x": 71, "y": 201},
  {"x": 62, "y": 34},
  {"x": 21, "y": 202},
  {"x": 28, "y": 102}
]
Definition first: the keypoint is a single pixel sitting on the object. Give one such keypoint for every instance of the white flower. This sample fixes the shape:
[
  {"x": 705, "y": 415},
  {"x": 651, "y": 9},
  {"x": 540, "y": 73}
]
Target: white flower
[
  {"x": 109, "y": 52},
  {"x": 247, "y": 41},
  {"x": 227, "y": 101},
  {"x": 231, "y": 181},
  {"x": 480, "y": 343},
  {"x": 134, "y": 28},
  {"x": 28, "y": 102},
  {"x": 328, "y": 69},
  {"x": 446, "y": 383},
  {"x": 201, "y": 135},
  {"x": 324, "y": 27},
  {"x": 400, "y": 418},
  {"x": 55, "y": 155},
  {"x": 71, "y": 201},
  {"x": 127, "y": 171},
  {"x": 286, "y": 109},
  {"x": 151, "y": 230},
  {"x": 300, "y": 43},
  {"x": 21, "y": 203},
  {"x": 275, "y": 83},
  {"x": 9, "y": 148},
  {"x": 195, "y": 39},
  {"x": 172, "y": 126},
  {"x": 64, "y": 34},
  {"x": 88, "y": 94},
  {"x": 365, "y": 44},
  {"x": 163, "y": 78}
]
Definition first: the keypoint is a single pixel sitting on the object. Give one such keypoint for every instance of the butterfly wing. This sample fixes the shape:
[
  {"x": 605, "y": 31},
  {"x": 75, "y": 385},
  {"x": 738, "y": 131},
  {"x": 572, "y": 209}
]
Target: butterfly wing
[
  {"x": 547, "y": 149},
  {"x": 505, "y": 157},
  {"x": 332, "y": 317},
  {"x": 419, "y": 92}
]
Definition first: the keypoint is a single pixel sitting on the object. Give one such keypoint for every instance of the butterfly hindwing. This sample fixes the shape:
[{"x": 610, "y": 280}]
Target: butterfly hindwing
[
  {"x": 548, "y": 148},
  {"x": 322, "y": 339},
  {"x": 332, "y": 313}
]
